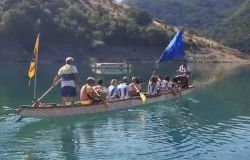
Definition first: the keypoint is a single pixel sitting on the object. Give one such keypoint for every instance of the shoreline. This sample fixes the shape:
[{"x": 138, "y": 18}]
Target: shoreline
[
  {"x": 142, "y": 62},
  {"x": 141, "y": 54}
]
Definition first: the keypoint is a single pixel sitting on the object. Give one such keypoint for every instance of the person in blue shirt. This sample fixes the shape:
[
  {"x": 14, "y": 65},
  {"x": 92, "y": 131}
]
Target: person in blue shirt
[{"x": 113, "y": 92}]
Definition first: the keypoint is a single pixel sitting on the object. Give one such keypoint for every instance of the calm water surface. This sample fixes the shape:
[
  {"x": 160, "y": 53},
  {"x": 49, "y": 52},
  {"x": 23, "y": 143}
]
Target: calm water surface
[{"x": 213, "y": 122}]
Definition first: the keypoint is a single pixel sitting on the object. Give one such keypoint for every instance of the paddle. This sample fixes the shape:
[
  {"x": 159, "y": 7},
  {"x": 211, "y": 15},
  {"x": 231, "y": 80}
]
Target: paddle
[
  {"x": 49, "y": 90},
  {"x": 39, "y": 99},
  {"x": 143, "y": 97}
]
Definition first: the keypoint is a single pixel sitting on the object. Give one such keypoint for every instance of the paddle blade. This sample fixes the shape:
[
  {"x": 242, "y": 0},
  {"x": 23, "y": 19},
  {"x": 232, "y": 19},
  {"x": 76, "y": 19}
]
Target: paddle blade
[
  {"x": 19, "y": 119},
  {"x": 143, "y": 97}
]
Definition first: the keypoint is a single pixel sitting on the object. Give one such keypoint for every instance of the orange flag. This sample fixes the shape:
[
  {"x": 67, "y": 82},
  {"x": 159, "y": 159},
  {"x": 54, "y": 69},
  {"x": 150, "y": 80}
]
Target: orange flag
[{"x": 33, "y": 63}]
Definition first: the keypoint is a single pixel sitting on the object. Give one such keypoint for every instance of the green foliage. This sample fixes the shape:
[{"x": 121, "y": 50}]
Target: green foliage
[
  {"x": 226, "y": 20},
  {"x": 76, "y": 22},
  {"x": 235, "y": 29},
  {"x": 155, "y": 35},
  {"x": 141, "y": 17}
]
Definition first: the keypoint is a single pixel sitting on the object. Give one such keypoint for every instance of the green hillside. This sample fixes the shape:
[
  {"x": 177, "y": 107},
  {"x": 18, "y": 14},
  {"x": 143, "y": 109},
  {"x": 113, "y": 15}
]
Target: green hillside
[
  {"x": 235, "y": 30},
  {"x": 89, "y": 27},
  {"x": 207, "y": 17},
  {"x": 86, "y": 29},
  {"x": 91, "y": 23}
]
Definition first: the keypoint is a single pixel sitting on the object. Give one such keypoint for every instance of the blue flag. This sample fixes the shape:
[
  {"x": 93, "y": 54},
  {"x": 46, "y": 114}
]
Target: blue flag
[{"x": 174, "y": 50}]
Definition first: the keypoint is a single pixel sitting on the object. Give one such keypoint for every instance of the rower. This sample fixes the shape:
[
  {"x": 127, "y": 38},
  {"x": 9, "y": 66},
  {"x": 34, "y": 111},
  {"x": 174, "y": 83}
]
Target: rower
[
  {"x": 152, "y": 86},
  {"x": 113, "y": 90},
  {"x": 161, "y": 84},
  {"x": 100, "y": 89},
  {"x": 123, "y": 88},
  {"x": 165, "y": 84},
  {"x": 134, "y": 87},
  {"x": 175, "y": 82},
  {"x": 87, "y": 94},
  {"x": 69, "y": 81}
]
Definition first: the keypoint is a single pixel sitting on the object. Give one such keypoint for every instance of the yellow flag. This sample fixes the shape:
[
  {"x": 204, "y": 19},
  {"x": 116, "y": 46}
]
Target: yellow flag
[
  {"x": 36, "y": 46},
  {"x": 143, "y": 97},
  {"x": 32, "y": 69}
]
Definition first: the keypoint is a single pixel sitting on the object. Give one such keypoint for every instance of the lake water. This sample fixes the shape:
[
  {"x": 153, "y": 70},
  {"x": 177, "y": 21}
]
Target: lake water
[{"x": 211, "y": 123}]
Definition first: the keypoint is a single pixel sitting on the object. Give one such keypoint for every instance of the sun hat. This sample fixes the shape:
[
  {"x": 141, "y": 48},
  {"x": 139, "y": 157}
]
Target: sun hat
[{"x": 69, "y": 59}]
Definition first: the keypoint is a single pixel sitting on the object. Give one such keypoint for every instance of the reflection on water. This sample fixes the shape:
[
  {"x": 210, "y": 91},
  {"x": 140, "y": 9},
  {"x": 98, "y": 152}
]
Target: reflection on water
[
  {"x": 70, "y": 143},
  {"x": 213, "y": 122}
]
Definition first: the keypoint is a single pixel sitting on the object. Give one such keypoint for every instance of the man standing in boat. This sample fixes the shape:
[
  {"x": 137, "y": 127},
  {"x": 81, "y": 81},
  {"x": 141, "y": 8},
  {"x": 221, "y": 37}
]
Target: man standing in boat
[
  {"x": 184, "y": 69},
  {"x": 182, "y": 77},
  {"x": 69, "y": 81}
]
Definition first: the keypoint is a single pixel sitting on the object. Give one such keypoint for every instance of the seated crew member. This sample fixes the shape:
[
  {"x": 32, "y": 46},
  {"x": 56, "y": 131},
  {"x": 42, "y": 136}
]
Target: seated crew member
[
  {"x": 87, "y": 94},
  {"x": 165, "y": 83},
  {"x": 100, "y": 89},
  {"x": 134, "y": 87},
  {"x": 113, "y": 92},
  {"x": 176, "y": 86},
  {"x": 123, "y": 88},
  {"x": 161, "y": 84},
  {"x": 152, "y": 86},
  {"x": 69, "y": 81}
]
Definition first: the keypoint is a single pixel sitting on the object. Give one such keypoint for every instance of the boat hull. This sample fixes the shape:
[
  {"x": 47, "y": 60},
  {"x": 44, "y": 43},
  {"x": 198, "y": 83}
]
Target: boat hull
[{"x": 64, "y": 111}]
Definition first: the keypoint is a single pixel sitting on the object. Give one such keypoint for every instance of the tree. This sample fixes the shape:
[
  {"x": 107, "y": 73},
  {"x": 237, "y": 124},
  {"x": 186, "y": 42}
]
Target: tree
[{"x": 141, "y": 17}]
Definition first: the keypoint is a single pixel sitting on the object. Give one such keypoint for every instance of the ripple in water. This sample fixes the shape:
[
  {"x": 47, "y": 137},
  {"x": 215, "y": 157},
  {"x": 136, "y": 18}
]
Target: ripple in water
[{"x": 161, "y": 131}]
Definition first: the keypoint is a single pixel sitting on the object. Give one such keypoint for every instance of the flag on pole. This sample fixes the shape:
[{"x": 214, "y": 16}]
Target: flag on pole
[
  {"x": 33, "y": 63},
  {"x": 174, "y": 50}
]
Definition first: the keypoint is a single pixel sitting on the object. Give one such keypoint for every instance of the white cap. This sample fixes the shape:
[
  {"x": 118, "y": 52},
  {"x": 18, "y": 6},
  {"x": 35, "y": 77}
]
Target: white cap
[
  {"x": 91, "y": 78},
  {"x": 69, "y": 59}
]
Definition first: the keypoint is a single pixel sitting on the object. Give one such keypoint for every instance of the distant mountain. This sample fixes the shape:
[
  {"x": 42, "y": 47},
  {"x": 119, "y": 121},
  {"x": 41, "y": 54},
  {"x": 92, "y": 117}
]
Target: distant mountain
[{"x": 206, "y": 16}]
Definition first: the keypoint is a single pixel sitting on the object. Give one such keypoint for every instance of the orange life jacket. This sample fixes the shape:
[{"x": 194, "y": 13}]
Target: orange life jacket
[{"x": 85, "y": 94}]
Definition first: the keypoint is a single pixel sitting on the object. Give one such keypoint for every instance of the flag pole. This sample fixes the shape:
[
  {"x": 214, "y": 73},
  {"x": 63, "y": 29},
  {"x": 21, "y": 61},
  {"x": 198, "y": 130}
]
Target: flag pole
[
  {"x": 36, "y": 60},
  {"x": 35, "y": 80}
]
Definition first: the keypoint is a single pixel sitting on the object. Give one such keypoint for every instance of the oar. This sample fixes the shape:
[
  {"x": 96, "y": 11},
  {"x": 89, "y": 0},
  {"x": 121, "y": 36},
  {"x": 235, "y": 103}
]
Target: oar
[
  {"x": 143, "y": 97},
  {"x": 49, "y": 90},
  {"x": 39, "y": 99}
]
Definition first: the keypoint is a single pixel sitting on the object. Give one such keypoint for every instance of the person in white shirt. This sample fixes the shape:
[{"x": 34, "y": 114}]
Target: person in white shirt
[
  {"x": 69, "y": 81},
  {"x": 165, "y": 83},
  {"x": 184, "y": 72},
  {"x": 184, "y": 69},
  {"x": 161, "y": 84},
  {"x": 152, "y": 86},
  {"x": 123, "y": 88},
  {"x": 113, "y": 90}
]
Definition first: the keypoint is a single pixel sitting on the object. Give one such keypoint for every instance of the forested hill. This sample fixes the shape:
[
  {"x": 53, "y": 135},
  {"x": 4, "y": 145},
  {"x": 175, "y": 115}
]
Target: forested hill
[
  {"x": 225, "y": 20},
  {"x": 92, "y": 23},
  {"x": 235, "y": 29},
  {"x": 85, "y": 28},
  {"x": 90, "y": 28}
]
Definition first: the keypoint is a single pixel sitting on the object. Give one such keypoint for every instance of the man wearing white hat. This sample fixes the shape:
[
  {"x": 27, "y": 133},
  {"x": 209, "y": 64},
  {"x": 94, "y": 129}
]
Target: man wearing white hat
[{"x": 69, "y": 81}]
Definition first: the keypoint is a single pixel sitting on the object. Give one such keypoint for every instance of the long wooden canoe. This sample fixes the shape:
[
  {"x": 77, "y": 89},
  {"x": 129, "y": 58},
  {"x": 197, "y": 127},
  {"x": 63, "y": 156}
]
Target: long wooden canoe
[{"x": 53, "y": 110}]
